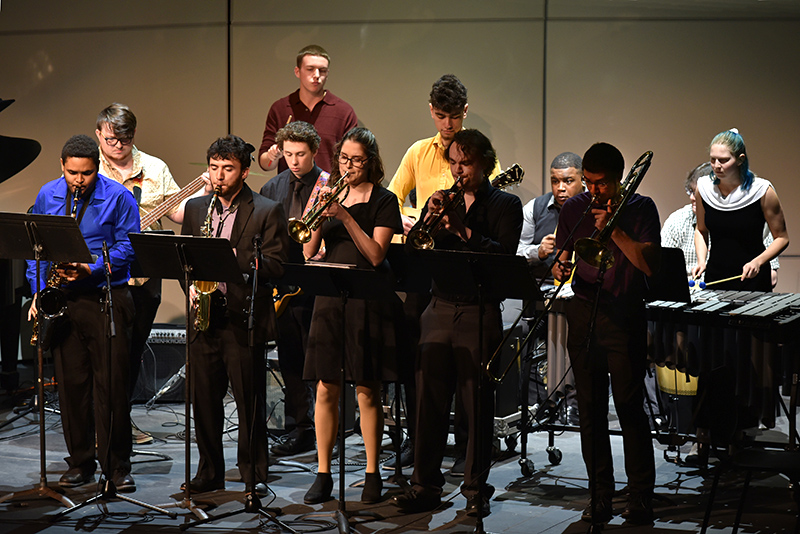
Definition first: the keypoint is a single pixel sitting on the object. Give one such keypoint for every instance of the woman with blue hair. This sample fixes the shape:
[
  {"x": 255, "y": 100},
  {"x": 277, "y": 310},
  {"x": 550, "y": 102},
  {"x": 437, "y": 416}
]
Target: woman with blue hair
[{"x": 732, "y": 206}]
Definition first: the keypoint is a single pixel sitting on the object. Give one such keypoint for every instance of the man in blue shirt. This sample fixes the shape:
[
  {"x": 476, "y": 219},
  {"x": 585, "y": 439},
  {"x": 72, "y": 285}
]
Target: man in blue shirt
[{"x": 106, "y": 212}]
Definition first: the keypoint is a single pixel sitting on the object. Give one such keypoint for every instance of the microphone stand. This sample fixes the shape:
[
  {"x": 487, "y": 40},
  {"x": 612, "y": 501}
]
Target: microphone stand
[
  {"x": 252, "y": 503},
  {"x": 109, "y": 490}
]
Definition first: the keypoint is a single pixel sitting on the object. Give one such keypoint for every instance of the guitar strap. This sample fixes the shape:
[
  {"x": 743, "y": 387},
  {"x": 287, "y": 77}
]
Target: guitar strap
[{"x": 322, "y": 181}]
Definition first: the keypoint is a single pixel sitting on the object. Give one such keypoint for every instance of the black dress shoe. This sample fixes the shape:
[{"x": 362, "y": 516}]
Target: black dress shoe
[
  {"x": 417, "y": 501},
  {"x": 406, "y": 457},
  {"x": 76, "y": 477},
  {"x": 295, "y": 442},
  {"x": 200, "y": 485},
  {"x": 602, "y": 512},
  {"x": 373, "y": 487},
  {"x": 639, "y": 510},
  {"x": 260, "y": 490},
  {"x": 320, "y": 490},
  {"x": 124, "y": 483},
  {"x": 474, "y": 502}
]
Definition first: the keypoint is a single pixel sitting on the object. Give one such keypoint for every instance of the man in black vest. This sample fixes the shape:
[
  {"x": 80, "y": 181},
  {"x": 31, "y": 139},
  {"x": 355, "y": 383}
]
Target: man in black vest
[
  {"x": 540, "y": 215},
  {"x": 537, "y": 245}
]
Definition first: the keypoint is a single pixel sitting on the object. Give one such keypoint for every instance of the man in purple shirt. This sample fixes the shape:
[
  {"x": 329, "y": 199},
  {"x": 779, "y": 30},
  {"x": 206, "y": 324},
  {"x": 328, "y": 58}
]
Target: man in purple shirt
[
  {"x": 106, "y": 213},
  {"x": 331, "y": 116},
  {"x": 614, "y": 340}
]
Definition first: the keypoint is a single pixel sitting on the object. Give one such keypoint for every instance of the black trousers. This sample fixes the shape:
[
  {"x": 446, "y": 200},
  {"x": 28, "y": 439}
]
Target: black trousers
[
  {"x": 146, "y": 300},
  {"x": 293, "y": 327},
  {"x": 619, "y": 349},
  {"x": 451, "y": 359},
  {"x": 215, "y": 359},
  {"x": 82, "y": 367}
]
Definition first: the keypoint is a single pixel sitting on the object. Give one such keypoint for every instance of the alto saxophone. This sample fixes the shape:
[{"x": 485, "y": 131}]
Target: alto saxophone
[
  {"x": 52, "y": 302},
  {"x": 202, "y": 304}
]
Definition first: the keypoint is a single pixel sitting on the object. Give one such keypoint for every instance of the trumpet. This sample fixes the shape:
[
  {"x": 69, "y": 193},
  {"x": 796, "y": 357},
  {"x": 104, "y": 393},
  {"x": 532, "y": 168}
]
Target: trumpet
[
  {"x": 202, "y": 316},
  {"x": 422, "y": 237},
  {"x": 300, "y": 229},
  {"x": 593, "y": 250}
]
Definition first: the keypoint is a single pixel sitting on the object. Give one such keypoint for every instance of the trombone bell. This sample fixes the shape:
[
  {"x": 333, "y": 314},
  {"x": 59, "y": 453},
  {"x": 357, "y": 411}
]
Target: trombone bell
[{"x": 594, "y": 252}]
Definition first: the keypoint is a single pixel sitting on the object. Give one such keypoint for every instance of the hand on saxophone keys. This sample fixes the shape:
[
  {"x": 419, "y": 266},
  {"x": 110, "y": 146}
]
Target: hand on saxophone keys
[{"x": 71, "y": 272}]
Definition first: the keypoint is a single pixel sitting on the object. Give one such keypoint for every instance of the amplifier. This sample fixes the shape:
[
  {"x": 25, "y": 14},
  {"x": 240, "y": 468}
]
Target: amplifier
[{"x": 162, "y": 363}]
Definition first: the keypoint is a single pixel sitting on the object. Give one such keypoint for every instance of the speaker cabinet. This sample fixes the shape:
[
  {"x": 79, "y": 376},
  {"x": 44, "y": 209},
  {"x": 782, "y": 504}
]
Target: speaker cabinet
[{"x": 162, "y": 363}]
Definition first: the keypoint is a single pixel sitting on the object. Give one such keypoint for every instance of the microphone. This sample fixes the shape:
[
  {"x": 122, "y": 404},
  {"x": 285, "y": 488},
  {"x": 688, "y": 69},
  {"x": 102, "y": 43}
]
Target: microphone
[{"x": 257, "y": 250}]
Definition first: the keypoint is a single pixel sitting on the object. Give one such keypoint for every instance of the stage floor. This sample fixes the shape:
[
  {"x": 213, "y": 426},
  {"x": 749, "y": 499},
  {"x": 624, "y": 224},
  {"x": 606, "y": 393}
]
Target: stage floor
[{"x": 549, "y": 501}]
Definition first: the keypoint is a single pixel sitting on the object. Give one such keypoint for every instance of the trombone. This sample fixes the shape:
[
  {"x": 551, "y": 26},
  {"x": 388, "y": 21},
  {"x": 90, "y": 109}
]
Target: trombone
[
  {"x": 300, "y": 229},
  {"x": 592, "y": 250}
]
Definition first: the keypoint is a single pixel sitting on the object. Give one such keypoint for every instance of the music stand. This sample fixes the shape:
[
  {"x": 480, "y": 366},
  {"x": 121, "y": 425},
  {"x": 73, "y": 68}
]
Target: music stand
[
  {"x": 332, "y": 280},
  {"x": 186, "y": 258},
  {"x": 41, "y": 238},
  {"x": 491, "y": 277}
]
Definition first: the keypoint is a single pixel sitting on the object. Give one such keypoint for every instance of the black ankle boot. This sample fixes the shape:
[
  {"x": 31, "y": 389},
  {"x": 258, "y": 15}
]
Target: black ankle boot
[
  {"x": 373, "y": 486},
  {"x": 320, "y": 490}
]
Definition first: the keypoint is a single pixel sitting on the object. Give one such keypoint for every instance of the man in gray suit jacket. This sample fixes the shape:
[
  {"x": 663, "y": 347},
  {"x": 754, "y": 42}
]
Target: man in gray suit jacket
[{"x": 221, "y": 352}]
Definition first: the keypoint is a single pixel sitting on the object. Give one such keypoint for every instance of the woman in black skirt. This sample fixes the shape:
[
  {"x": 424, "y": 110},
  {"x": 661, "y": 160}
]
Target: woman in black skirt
[{"x": 358, "y": 232}]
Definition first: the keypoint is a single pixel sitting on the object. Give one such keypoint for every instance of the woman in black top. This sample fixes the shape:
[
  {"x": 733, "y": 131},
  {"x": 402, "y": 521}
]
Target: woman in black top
[{"x": 358, "y": 232}]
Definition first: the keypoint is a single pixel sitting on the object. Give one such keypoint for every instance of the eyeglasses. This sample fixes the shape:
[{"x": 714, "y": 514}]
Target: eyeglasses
[
  {"x": 357, "y": 162},
  {"x": 112, "y": 141}
]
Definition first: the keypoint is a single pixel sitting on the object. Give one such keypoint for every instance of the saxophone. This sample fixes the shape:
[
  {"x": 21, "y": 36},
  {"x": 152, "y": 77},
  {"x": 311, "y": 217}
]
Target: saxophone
[
  {"x": 202, "y": 304},
  {"x": 52, "y": 302}
]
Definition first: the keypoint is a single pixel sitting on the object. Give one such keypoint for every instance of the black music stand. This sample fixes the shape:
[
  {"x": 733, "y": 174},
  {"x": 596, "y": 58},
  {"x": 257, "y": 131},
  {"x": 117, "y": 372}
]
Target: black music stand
[
  {"x": 331, "y": 280},
  {"x": 410, "y": 277},
  {"x": 477, "y": 275},
  {"x": 41, "y": 238},
  {"x": 186, "y": 258}
]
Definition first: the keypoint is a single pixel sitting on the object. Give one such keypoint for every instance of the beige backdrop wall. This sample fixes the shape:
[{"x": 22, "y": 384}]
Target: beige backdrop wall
[{"x": 542, "y": 78}]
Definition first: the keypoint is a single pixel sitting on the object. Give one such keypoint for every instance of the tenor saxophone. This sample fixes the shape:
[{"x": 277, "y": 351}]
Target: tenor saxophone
[{"x": 202, "y": 304}]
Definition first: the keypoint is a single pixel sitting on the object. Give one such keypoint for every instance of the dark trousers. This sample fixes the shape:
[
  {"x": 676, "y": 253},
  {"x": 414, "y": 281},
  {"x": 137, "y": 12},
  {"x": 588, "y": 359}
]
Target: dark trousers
[
  {"x": 215, "y": 359},
  {"x": 451, "y": 358},
  {"x": 82, "y": 367},
  {"x": 146, "y": 300},
  {"x": 618, "y": 348},
  {"x": 293, "y": 327}
]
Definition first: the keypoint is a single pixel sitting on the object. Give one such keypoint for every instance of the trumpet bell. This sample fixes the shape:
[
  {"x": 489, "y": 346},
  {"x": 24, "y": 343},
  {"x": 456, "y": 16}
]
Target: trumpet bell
[
  {"x": 299, "y": 231},
  {"x": 421, "y": 240},
  {"x": 593, "y": 252}
]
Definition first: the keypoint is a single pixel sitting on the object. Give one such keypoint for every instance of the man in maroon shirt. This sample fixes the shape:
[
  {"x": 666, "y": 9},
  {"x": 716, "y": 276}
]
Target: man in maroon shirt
[{"x": 331, "y": 116}]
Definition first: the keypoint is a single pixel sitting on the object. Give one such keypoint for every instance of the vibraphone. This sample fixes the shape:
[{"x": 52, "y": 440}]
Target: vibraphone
[{"x": 751, "y": 334}]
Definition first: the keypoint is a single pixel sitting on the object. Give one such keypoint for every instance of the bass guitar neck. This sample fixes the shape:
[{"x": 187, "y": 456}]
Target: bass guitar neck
[{"x": 167, "y": 206}]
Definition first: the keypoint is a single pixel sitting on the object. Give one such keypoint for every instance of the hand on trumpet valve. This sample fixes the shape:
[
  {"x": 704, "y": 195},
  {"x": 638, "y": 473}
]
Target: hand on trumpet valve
[{"x": 334, "y": 209}]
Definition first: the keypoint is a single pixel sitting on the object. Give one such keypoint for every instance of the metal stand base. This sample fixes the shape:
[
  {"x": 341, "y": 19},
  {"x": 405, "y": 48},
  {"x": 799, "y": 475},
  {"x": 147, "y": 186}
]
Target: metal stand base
[
  {"x": 43, "y": 491},
  {"x": 110, "y": 493}
]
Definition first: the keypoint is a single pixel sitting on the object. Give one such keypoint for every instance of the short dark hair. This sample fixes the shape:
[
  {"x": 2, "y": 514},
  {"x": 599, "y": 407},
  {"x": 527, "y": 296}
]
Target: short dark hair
[
  {"x": 81, "y": 146},
  {"x": 374, "y": 165},
  {"x": 231, "y": 147},
  {"x": 565, "y": 160},
  {"x": 606, "y": 159},
  {"x": 448, "y": 94},
  {"x": 120, "y": 119},
  {"x": 312, "y": 50},
  {"x": 299, "y": 132},
  {"x": 475, "y": 145},
  {"x": 704, "y": 169}
]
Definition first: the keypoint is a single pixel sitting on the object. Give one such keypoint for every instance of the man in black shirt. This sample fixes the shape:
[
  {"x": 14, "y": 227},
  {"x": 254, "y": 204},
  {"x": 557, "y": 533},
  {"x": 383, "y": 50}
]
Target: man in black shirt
[
  {"x": 488, "y": 221},
  {"x": 299, "y": 143}
]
